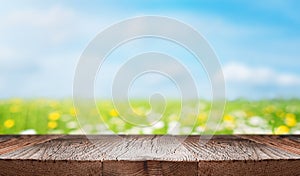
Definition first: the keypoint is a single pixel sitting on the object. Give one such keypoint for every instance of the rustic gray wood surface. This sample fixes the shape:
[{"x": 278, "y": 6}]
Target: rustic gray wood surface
[{"x": 149, "y": 155}]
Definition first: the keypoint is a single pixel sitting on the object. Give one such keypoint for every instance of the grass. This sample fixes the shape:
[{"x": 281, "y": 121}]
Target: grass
[{"x": 45, "y": 116}]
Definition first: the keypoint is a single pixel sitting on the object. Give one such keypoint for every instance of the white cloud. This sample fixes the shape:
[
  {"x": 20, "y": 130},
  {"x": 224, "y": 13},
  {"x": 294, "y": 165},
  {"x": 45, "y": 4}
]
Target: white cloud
[
  {"x": 243, "y": 74},
  {"x": 39, "y": 48},
  {"x": 6, "y": 52},
  {"x": 288, "y": 80},
  {"x": 47, "y": 18},
  {"x": 56, "y": 24},
  {"x": 30, "y": 33}
]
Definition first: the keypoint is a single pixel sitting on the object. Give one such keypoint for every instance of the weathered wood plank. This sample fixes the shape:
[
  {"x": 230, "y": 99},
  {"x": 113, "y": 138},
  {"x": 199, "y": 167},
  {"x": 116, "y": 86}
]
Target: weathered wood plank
[
  {"x": 150, "y": 168},
  {"x": 105, "y": 148},
  {"x": 250, "y": 168},
  {"x": 149, "y": 155},
  {"x": 51, "y": 168},
  {"x": 226, "y": 148},
  {"x": 12, "y": 143},
  {"x": 287, "y": 143}
]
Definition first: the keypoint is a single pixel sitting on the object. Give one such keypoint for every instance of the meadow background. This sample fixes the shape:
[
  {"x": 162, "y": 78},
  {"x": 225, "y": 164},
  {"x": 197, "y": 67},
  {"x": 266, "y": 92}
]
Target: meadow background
[
  {"x": 45, "y": 116},
  {"x": 257, "y": 43}
]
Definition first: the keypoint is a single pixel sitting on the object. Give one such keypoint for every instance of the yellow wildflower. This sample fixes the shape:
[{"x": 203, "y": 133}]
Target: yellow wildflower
[
  {"x": 9, "y": 123},
  {"x": 228, "y": 118},
  {"x": 229, "y": 121},
  {"x": 54, "y": 116},
  {"x": 282, "y": 130},
  {"x": 290, "y": 115},
  {"x": 249, "y": 114},
  {"x": 73, "y": 111},
  {"x": 202, "y": 117},
  {"x": 52, "y": 124},
  {"x": 16, "y": 101},
  {"x": 14, "y": 109},
  {"x": 290, "y": 120},
  {"x": 113, "y": 113},
  {"x": 269, "y": 109}
]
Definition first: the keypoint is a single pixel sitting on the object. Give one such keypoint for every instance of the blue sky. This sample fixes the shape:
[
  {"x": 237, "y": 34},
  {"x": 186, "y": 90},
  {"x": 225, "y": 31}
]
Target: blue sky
[{"x": 257, "y": 43}]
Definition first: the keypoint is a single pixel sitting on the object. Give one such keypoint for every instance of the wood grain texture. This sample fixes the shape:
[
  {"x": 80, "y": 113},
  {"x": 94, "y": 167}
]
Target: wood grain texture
[
  {"x": 11, "y": 143},
  {"x": 235, "y": 148},
  {"x": 51, "y": 168},
  {"x": 150, "y": 155},
  {"x": 172, "y": 168},
  {"x": 288, "y": 143},
  {"x": 150, "y": 168},
  {"x": 251, "y": 168}
]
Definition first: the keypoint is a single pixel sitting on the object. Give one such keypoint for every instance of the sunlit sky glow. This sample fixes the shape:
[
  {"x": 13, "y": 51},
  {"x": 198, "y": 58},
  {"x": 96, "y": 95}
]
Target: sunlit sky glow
[{"x": 257, "y": 43}]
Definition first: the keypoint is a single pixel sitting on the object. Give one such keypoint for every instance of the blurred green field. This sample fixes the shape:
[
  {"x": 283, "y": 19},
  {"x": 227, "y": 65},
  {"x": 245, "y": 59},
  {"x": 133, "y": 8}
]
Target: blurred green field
[{"x": 45, "y": 116}]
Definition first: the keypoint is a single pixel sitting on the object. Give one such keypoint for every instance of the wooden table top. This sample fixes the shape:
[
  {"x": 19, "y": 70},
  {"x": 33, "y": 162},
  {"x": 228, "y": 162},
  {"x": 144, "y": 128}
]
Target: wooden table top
[{"x": 149, "y": 155}]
